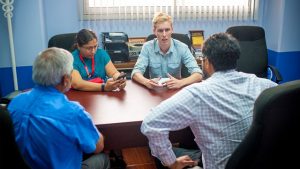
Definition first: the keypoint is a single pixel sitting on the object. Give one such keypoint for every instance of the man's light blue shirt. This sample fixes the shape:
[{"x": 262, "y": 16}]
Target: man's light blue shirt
[{"x": 160, "y": 64}]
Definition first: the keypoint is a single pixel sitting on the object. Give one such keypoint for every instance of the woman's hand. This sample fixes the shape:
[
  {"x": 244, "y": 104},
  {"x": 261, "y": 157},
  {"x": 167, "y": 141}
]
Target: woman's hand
[
  {"x": 112, "y": 84},
  {"x": 122, "y": 84}
]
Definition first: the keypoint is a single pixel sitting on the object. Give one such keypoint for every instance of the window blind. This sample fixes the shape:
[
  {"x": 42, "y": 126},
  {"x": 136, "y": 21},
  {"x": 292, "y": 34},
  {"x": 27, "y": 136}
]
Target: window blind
[{"x": 210, "y": 10}]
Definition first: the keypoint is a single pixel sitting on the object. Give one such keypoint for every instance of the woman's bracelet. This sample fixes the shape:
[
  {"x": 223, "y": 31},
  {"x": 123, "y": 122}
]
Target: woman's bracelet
[{"x": 102, "y": 87}]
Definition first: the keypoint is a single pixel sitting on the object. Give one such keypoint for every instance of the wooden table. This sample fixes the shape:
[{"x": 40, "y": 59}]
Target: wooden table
[
  {"x": 118, "y": 115},
  {"x": 125, "y": 65}
]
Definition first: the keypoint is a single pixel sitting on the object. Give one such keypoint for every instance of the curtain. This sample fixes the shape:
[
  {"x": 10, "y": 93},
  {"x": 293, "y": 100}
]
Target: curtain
[
  {"x": 134, "y": 16},
  {"x": 179, "y": 9}
]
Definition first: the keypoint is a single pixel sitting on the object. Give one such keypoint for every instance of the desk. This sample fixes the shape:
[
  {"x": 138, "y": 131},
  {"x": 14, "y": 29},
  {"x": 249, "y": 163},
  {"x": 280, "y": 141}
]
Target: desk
[
  {"x": 125, "y": 65},
  {"x": 130, "y": 64},
  {"x": 118, "y": 115}
]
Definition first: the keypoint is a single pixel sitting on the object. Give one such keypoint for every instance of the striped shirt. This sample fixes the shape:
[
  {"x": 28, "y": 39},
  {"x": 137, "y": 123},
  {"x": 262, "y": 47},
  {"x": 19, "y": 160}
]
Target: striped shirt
[{"x": 218, "y": 110}]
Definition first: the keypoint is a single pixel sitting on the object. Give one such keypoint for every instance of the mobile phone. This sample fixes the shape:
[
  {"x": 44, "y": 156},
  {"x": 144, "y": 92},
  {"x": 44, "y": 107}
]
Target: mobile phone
[
  {"x": 162, "y": 81},
  {"x": 121, "y": 76}
]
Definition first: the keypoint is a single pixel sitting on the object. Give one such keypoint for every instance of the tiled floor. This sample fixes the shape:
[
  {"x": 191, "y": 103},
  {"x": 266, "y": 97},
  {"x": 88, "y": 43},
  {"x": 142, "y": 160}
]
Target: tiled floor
[{"x": 138, "y": 158}]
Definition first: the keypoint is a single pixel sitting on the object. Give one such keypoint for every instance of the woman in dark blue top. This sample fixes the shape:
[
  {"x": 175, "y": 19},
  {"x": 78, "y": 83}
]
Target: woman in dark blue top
[{"x": 92, "y": 65}]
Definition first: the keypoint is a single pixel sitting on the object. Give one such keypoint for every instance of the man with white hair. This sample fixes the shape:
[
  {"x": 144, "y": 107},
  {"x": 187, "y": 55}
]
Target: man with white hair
[{"x": 51, "y": 131}]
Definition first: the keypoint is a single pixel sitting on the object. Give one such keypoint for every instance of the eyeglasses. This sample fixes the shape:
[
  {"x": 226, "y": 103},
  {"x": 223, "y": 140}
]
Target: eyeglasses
[
  {"x": 90, "y": 48},
  {"x": 203, "y": 58}
]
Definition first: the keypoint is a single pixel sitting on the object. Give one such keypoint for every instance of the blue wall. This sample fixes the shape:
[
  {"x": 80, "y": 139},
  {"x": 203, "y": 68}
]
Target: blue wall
[
  {"x": 36, "y": 21},
  {"x": 287, "y": 64},
  {"x": 282, "y": 24}
]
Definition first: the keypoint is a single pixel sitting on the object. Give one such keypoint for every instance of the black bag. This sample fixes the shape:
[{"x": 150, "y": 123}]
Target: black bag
[{"x": 116, "y": 160}]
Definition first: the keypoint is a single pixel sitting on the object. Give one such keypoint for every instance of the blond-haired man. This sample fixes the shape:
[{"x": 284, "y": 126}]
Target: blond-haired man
[{"x": 164, "y": 56}]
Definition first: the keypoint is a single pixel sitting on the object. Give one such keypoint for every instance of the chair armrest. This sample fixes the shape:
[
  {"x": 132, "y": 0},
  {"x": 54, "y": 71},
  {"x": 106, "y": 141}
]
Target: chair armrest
[
  {"x": 276, "y": 73},
  {"x": 6, "y": 99}
]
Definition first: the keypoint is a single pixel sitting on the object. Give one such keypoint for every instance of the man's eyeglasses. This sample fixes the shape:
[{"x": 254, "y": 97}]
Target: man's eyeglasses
[
  {"x": 203, "y": 58},
  {"x": 90, "y": 48}
]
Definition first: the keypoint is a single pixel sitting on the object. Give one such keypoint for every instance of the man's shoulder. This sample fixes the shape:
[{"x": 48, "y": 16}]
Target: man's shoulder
[
  {"x": 258, "y": 79},
  {"x": 179, "y": 44},
  {"x": 267, "y": 82},
  {"x": 150, "y": 46},
  {"x": 74, "y": 106},
  {"x": 71, "y": 110},
  {"x": 198, "y": 88},
  {"x": 19, "y": 100},
  {"x": 149, "y": 43},
  {"x": 24, "y": 97}
]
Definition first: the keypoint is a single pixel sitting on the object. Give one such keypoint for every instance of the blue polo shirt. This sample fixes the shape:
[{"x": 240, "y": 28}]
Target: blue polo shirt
[{"x": 51, "y": 131}]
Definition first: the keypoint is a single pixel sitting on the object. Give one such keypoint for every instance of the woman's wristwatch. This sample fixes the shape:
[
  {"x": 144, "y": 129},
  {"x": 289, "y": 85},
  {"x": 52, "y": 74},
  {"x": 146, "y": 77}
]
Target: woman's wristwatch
[{"x": 102, "y": 87}]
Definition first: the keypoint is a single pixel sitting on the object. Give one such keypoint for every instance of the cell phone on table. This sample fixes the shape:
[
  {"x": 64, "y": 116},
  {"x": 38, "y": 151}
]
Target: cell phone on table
[{"x": 121, "y": 76}]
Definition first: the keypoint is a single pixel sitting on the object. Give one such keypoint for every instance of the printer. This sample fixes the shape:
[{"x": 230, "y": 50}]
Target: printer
[{"x": 115, "y": 44}]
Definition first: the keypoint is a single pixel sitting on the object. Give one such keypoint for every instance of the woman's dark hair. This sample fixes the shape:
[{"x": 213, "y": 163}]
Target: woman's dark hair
[
  {"x": 83, "y": 37},
  {"x": 222, "y": 50}
]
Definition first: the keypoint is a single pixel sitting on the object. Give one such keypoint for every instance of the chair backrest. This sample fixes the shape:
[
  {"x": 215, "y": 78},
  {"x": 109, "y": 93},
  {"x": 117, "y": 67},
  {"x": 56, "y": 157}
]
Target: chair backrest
[
  {"x": 254, "y": 56},
  {"x": 10, "y": 156},
  {"x": 184, "y": 38},
  {"x": 65, "y": 41},
  {"x": 273, "y": 140}
]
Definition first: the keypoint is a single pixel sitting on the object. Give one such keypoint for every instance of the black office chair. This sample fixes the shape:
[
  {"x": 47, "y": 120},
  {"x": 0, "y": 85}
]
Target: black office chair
[
  {"x": 273, "y": 140},
  {"x": 254, "y": 55},
  {"x": 65, "y": 41},
  {"x": 4, "y": 101},
  {"x": 184, "y": 38},
  {"x": 10, "y": 156}
]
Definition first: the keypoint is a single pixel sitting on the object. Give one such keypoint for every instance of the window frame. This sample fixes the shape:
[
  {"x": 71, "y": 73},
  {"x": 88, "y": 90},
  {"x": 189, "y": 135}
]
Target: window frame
[{"x": 179, "y": 13}]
